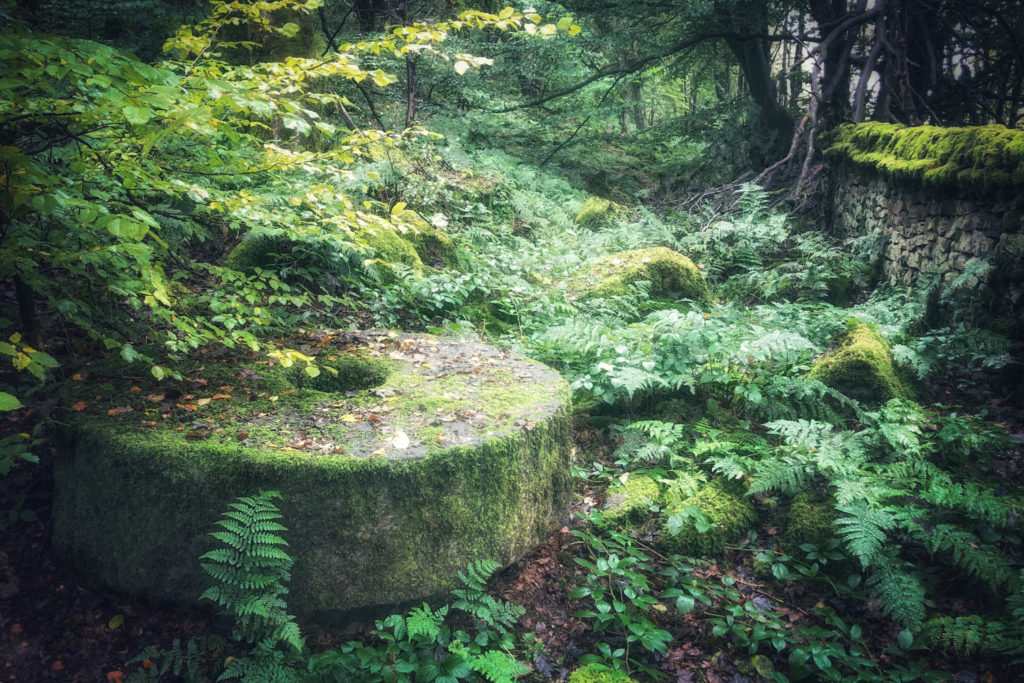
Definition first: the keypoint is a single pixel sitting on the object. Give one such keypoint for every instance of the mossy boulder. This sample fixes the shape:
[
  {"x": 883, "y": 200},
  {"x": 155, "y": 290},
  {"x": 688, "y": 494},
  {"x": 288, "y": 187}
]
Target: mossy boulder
[
  {"x": 434, "y": 246},
  {"x": 278, "y": 252},
  {"x": 729, "y": 515},
  {"x": 809, "y": 519},
  {"x": 598, "y": 673},
  {"x": 460, "y": 453},
  {"x": 861, "y": 366},
  {"x": 628, "y": 500},
  {"x": 671, "y": 275},
  {"x": 594, "y": 211}
]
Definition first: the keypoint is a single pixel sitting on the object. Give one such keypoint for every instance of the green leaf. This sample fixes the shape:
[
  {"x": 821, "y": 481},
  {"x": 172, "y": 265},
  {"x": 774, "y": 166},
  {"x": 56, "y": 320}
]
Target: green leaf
[
  {"x": 8, "y": 402},
  {"x": 905, "y": 639},
  {"x": 289, "y": 30},
  {"x": 137, "y": 116},
  {"x": 126, "y": 228},
  {"x": 685, "y": 604}
]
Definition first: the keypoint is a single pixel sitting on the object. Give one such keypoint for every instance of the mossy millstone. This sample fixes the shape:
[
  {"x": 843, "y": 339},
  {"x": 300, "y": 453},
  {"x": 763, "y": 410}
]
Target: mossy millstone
[
  {"x": 671, "y": 275},
  {"x": 861, "y": 366},
  {"x": 461, "y": 453}
]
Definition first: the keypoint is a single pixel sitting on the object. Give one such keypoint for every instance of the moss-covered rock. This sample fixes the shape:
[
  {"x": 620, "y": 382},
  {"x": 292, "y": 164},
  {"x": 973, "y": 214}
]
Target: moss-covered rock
[
  {"x": 809, "y": 520},
  {"x": 461, "y": 453},
  {"x": 861, "y": 366},
  {"x": 730, "y": 516},
  {"x": 388, "y": 247},
  {"x": 671, "y": 275},
  {"x": 628, "y": 500},
  {"x": 598, "y": 673},
  {"x": 593, "y": 212},
  {"x": 978, "y": 157},
  {"x": 434, "y": 246}
]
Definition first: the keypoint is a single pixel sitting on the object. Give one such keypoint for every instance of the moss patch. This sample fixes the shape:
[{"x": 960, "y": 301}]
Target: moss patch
[
  {"x": 861, "y": 366},
  {"x": 388, "y": 246},
  {"x": 670, "y": 273},
  {"x": 729, "y": 515},
  {"x": 598, "y": 673},
  {"x": 434, "y": 246},
  {"x": 979, "y": 157},
  {"x": 345, "y": 372},
  {"x": 629, "y": 500},
  {"x": 809, "y": 520},
  {"x": 593, "y": 212},
  {"x": 462, "y": 453}
]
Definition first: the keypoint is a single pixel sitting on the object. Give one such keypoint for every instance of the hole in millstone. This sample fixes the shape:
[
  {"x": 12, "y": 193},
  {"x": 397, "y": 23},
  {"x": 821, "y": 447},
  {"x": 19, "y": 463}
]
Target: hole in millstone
[{"x": 348, "y": 372}]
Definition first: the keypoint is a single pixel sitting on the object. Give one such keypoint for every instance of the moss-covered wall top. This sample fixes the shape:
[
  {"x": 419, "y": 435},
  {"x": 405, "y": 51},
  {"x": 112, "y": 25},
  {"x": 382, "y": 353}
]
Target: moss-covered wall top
[{"x": 975, "y": 158}]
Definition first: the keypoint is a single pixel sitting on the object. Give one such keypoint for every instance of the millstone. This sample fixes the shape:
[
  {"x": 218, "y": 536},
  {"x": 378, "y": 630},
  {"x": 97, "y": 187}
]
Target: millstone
[{"x": 416, "y": 456}]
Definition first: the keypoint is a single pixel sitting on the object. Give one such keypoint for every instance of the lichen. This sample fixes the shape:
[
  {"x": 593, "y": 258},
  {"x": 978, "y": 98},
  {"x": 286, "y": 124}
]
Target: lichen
[
  {"x": 979, "y": 157},
  {"x": 670, "y": 274},
  {"x": 628, "y": 500},
  {"x": 459, "y": 455},
  {"x": 861, "y": 366},
  {"x": 593, "y": 212},
  {"x": 809, "y": 520},
  {"x": 598, "y": 673},
  {"x": 730, "y": 516}
]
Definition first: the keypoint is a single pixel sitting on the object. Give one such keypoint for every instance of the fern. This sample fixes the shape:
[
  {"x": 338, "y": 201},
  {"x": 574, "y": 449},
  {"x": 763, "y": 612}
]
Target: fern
[
  {"x": 497, "y": 666},
  {"x": 900, "y": 593},
  {"x": 423, "y": 622},
  {"x": 863, "y": 530},
  {"x": 251, "y": 571}
]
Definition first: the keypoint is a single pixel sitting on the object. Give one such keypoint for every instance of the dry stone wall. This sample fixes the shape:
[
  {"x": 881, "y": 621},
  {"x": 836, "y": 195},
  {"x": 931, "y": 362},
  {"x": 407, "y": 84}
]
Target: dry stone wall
[{"x": 933, "y": 233}]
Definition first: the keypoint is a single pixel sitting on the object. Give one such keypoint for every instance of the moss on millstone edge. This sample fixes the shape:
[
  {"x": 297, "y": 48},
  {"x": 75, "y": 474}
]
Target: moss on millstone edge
[
  {"x": 730, "y": 516},
  {"x": 809, "y": 520},
  {"x": 461, "y": 454},
  {"x": 670, "y": 273},
  {"x": 861, "y": 366},
  {"x": 629, "y": 500},
  {"x": 598, "y": 673},
  {"x": 978, "y": 157}
]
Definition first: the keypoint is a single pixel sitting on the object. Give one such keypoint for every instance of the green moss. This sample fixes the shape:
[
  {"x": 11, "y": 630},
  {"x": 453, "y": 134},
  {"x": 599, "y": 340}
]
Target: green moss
[
  {"x": 629, "y": 500},
  {"x": 388, "y": 247},
  {"x": 598, "y": 673},
  {"x": 861, "y": 366},
  {"x": 347, "y": 372},
  {"x": 978, "y": 157},
  {"x": 809, "y": 520},
  {"x": 593, "y": 212},
  {"x": 434, "y": 246},
  {"x": 482, "y": 471},
  {"x": 670, "y": 273},
  {"x": 730, "y": 517}
]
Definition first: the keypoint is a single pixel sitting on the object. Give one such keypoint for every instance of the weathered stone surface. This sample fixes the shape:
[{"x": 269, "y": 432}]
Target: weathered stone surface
[{"x": 457, "y": 451}]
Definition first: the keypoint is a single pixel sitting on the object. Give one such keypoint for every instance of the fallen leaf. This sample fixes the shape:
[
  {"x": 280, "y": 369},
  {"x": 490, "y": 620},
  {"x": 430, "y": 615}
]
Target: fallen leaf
[
  {"x": 116, "y": 622},
  {"x": 222, "y": 397},
  {"x": 79, "y": 406},
  {"x": 119, "y": 411},
  {"x": 136, "y": 389},
  {"x": 155, "y": 398},
  {"x": 57, "y": 665},
  {"x": 115, "y": 677},
  {"x": 78, "y": 376},
  {"x": 204, "y": 401},
  {"x": 189, "y": 407}
]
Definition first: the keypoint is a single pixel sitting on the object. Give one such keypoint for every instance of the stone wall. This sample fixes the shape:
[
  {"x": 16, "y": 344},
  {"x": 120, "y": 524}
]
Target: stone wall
[{"x": 929, "y": 232}]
